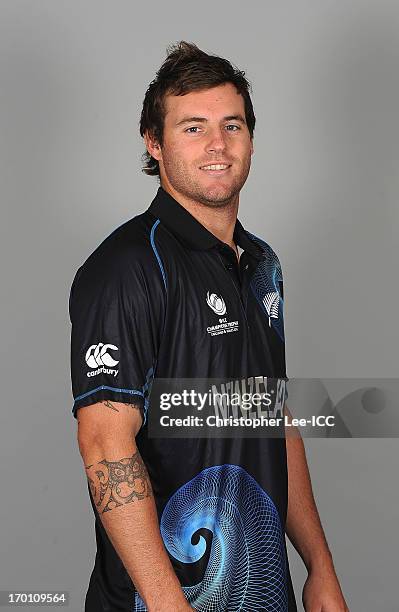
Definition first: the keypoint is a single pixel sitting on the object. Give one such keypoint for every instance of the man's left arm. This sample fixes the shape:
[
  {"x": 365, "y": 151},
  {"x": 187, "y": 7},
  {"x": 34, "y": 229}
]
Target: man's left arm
[{"x": 322, "y": 592}]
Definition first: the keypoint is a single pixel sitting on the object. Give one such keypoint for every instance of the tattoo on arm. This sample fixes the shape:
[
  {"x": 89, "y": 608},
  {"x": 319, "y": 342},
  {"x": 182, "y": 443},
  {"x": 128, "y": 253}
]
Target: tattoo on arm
[
  {"x": 116, "y": 483},
  {"x": 109, "y": 404}
]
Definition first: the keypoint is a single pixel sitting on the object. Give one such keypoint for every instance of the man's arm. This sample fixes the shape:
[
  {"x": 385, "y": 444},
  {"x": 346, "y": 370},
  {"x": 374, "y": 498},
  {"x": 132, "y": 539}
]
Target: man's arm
[
  {"x": 322, "y": 592},
  {"x": 122, "y": 492}
]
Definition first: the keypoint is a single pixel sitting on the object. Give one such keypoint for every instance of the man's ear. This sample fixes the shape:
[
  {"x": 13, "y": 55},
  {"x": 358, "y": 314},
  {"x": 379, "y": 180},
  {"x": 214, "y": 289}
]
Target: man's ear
[{"x": 153, "y": 146}]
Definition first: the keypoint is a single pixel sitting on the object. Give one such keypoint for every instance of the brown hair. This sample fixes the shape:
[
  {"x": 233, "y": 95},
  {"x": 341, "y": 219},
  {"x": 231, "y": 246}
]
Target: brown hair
[{"x": 186, "y": 69}]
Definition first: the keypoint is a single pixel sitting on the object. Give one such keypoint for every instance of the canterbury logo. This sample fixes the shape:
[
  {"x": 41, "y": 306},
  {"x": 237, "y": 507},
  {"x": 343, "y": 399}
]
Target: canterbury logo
[
  {"x": 216, "y": 303},
  {"x": 271, "y": 302},
  {"x": 97, "y": 355}
]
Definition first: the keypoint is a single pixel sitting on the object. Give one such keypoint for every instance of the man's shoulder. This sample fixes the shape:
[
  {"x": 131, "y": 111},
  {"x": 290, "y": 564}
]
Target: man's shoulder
[
  {"x": 130, "y": 238},
  {"x": 267, "y": 249},
  {"x": 125, "y": 253}
]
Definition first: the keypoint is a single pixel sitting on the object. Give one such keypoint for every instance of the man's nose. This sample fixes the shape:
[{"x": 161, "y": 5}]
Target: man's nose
[{"x": 216, "y": 141}]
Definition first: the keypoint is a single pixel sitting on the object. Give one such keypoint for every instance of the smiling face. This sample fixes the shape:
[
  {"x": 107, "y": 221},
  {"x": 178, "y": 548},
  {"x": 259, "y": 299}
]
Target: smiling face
[{"x": 206, "y": 151}]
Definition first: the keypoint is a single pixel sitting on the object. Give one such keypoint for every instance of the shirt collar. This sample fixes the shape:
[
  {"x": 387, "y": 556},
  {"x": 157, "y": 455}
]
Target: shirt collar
[{"x": 195, "y": 235}]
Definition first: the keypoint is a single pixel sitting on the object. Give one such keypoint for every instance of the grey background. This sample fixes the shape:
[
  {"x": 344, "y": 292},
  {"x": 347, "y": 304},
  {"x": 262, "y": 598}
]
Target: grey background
[{"x": 323, "y": 192}]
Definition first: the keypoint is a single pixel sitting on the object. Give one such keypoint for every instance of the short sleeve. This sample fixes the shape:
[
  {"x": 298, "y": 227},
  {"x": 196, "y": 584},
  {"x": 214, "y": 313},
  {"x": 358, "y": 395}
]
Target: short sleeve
[
  {"x": 285, "y": 377},
  {"x": 115, "y": 332},
  {"x": 268, "y": 281}
]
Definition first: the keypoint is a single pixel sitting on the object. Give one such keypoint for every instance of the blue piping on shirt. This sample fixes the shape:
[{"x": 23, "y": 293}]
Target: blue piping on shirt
[
  {"x": 157, "y": 222},
  {"x": 129, "y": 391}
]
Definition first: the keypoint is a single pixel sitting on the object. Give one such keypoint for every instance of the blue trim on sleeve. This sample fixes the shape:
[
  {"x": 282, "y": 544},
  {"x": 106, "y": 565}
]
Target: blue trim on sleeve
[
  {"x": 147, "y": 390},
  {"x": 157, "y": 222},
  {"x": 129, "y": 391}
]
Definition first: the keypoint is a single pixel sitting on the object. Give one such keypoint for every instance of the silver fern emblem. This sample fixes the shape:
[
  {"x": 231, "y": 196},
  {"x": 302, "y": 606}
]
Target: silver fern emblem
[{"x": 271, "y": 301}]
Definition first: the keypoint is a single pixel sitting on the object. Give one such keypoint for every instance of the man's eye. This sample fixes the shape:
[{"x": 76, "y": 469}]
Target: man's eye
[{"x": 196, "y": 127}]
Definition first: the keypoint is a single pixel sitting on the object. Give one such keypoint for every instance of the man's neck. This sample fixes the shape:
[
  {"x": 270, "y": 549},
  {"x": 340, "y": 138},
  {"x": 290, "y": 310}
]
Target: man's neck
[{"x": 220, "y": 221}]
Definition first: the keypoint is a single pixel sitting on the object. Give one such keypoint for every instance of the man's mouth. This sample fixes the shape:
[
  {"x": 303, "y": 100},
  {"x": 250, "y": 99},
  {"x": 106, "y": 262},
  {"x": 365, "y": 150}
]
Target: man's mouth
[{"x": 215, "y": 167}]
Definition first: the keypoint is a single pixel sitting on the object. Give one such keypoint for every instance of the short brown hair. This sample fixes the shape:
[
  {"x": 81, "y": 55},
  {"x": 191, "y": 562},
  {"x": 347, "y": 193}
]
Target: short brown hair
[{"x": 187, "y": 69}]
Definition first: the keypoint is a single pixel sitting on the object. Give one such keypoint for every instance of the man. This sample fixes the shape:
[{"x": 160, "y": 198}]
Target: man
[{"x": 184, "y": 291}]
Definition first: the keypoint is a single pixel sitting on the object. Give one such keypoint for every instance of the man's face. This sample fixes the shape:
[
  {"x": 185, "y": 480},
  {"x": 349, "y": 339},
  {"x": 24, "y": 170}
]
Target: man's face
[{"x": 204, "y": 128}]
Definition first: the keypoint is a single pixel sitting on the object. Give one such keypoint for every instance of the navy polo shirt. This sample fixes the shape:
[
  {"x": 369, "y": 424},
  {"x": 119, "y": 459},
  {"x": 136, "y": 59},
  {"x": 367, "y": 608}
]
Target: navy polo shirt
[{"x": 162, "y": 297}]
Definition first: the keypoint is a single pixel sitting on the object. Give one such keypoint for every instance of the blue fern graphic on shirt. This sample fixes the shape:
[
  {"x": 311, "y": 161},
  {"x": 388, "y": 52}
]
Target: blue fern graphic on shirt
[
  {"x": 246, "y": 569},
  {"x": 266, "y": 285}
]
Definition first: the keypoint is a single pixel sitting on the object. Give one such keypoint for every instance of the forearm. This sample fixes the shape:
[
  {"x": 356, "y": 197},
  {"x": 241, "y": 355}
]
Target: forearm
[
  {"x": 303, "y": 525},
  {"x": 122, "y": 492}
]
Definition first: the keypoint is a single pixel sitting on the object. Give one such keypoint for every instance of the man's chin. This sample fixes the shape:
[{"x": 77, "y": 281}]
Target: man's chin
[{"x": 217, "y": 196}]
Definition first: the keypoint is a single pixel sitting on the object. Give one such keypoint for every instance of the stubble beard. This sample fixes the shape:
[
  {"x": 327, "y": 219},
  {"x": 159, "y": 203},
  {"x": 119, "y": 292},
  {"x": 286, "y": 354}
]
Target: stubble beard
[{"x": 213, "y": 197}]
